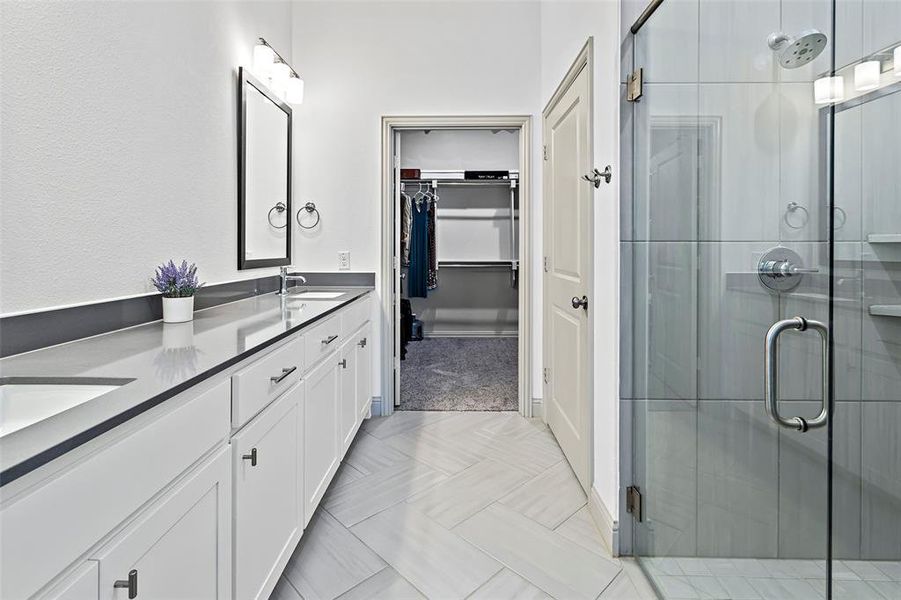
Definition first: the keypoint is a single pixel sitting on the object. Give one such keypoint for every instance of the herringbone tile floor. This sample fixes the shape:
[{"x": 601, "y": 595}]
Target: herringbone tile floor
[{"x": 447, "y": 505}]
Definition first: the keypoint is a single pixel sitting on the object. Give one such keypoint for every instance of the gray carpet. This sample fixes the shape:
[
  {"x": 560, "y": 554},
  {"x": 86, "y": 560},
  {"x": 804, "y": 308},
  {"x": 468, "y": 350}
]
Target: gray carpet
[{"x": 460, "y": 374}]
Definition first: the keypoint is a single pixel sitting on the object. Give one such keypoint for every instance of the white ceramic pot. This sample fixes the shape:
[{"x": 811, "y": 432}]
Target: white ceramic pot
[{"x": 178, "y": 310}]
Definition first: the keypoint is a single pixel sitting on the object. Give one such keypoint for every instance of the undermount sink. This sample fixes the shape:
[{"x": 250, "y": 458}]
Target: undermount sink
[
  {"x": 28, "y": 400},
  {"x": 313, "y": 295}
]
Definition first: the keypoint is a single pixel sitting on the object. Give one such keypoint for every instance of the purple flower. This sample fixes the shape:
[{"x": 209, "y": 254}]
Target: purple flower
[{"x": 176, "y": 281}]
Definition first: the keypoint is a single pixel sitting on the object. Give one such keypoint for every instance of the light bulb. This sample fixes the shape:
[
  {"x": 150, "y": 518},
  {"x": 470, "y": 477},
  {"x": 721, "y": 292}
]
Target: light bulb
[
  {"x": 294, "y": 91},
  {"x": 828, "y": 89},
  {"x": 866, "y": 75},
  {"x": 281, "y": 72},
  {"x": 263, "y": 60},
  {"x": 277, "y": 86},
  {"x": 897, "y": 58}
]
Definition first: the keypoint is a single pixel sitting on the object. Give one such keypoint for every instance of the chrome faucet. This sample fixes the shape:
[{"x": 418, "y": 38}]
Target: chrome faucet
[{"x": 285, "y": 277}]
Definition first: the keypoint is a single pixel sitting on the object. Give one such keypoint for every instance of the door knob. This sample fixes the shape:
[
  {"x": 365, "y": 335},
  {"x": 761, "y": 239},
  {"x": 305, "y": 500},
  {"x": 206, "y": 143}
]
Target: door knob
[
  {"x": 252, "y": 457},
  {"x": 596, "y": 176},
  {"x": 580, "y": 302}
]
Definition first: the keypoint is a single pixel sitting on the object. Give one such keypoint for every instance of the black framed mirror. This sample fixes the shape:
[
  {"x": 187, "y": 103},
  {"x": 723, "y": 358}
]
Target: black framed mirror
[{"x": 264, "y": 175}]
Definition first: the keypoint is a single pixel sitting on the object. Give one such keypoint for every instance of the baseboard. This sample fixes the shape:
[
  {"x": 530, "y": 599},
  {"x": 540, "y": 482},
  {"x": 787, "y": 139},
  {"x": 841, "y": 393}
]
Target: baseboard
[
  {"x": 375, "y": 407},
  {"x": 604, "y": 521},
  {"x": 484, "y": 333},
  {"x": 537, "y": 408}
]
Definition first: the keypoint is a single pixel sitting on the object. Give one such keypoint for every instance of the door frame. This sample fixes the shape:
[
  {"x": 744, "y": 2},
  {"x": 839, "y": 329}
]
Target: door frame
[
  {"x": 394, "y": 124},
  {"x": 583, "y": 61}
]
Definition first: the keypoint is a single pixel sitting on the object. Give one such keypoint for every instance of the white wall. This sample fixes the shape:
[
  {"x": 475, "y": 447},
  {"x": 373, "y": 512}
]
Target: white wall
[
  {"x": 363, "y": 60},
  {"x": 565, "y": 26},
  {"x": 118, "y": 142}
]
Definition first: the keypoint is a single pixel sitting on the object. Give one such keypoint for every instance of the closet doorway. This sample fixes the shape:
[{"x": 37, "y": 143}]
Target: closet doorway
[{"x": 455, "y": 248}]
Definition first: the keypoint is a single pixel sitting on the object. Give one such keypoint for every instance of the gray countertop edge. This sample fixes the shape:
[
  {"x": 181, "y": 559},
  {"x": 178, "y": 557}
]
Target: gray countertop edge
[{"x": 57, "y": 450}]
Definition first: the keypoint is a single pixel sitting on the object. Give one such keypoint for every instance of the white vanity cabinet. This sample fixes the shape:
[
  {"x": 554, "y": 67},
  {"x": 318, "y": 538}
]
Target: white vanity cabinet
[
  {"x": 204, "y": 496},
  {"x": 180, "y": 547},
  {"x": 267, "y": 494},
  {"x": 320, "y": 433}
]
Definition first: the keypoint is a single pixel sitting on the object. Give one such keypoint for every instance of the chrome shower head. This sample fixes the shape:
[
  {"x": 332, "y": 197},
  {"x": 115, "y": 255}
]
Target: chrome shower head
[{"x": 797, "y": 52}]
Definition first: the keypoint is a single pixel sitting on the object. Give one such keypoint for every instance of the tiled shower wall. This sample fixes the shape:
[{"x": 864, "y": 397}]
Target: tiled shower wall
[{"x": 721, "y": 142}]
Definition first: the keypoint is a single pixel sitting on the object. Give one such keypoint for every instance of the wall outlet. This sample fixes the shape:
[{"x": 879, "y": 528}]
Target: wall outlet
[{"x": 344, "y": 260}]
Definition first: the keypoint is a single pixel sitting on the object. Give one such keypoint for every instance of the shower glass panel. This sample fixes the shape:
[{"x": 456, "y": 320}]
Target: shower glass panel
[{"x": 761, "y": 191}]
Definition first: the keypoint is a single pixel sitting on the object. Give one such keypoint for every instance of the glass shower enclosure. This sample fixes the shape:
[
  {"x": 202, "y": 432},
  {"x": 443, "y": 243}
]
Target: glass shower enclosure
[{"x": 761, "y": 302}]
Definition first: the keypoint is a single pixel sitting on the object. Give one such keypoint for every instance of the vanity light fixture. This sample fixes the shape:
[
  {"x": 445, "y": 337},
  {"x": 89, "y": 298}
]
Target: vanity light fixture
[
  {"x": 828, "y": 89},
  {"x": 283, "y": 79},
  {"x": 866, "y": 75},
  {"x": 263, "y": 60},
  {"x": 896, "y": 57},
  {"x": 294, "y": 90}
]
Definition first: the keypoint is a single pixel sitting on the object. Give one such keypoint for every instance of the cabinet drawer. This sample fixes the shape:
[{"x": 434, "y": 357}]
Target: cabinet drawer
[
  {"x": 322, "y": 339},
  {"x": 354, "y": 316},
  {"x": 268, "y": 485},
  {"x": 97, "y": 494},
  {"x": 261, "y": 382}
]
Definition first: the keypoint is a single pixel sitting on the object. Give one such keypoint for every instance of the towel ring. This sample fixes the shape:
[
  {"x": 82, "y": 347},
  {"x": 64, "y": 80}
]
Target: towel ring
[
  {"x": 792, "y": 207},
  {"x": 280, "y": 208},
  {"x": 310, "y": 208},
  {"x": 844, "y": 215}
]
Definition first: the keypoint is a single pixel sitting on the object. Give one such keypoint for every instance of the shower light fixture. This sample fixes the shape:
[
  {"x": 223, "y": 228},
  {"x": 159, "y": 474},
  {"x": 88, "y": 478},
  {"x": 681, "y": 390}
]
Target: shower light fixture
[
  {"x": 866, "y": 75},
  {"x": 897, "y": 59},
  {"x": 828, "y": 89},
  {"x": 283, "y": 79}
]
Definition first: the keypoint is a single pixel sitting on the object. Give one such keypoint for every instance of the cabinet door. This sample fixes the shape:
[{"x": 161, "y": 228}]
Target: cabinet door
[
  {"x": 363, "y": 349},
  {"x": 348, "y": 414},
  {"x": 320, "y": 437},
  {"x": 180, "y": 547},
  {"x": 267, "y": 495},
  {"x": 83, "y": 584}
]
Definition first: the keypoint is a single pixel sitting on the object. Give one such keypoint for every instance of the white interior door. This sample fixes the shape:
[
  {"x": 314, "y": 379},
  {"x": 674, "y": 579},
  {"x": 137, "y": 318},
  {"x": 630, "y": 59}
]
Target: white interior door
[{"x": 568, "y": 272}]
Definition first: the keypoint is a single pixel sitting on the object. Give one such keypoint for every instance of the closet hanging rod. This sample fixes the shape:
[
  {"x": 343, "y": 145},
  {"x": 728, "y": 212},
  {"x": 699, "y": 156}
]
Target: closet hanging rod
[{"x": 474, "y": 264}]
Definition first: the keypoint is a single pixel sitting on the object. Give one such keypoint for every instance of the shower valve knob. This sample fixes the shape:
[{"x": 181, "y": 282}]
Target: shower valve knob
[{"x": 780, "y": 269}]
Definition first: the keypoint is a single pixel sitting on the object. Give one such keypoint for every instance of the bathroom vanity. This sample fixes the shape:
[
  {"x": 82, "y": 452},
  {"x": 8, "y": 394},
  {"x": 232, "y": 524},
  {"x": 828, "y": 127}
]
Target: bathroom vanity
[{"x": 197, "y": 477}]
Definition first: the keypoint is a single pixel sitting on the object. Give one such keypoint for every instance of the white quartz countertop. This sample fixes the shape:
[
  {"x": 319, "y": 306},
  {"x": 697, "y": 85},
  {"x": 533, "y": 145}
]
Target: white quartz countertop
[{"x": 161, "y": 359}]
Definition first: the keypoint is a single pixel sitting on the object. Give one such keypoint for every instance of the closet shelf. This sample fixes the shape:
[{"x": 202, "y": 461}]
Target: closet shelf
[
  {"x": 508, "y": 183},
  {"x": 885, "y": 310},
  {"x": 884, "y": 238},
  {"x": 475, "y": 213}
]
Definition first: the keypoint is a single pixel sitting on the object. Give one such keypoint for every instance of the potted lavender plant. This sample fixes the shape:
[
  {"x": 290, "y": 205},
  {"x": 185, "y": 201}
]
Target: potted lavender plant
[{"x": 177, "y": 284}]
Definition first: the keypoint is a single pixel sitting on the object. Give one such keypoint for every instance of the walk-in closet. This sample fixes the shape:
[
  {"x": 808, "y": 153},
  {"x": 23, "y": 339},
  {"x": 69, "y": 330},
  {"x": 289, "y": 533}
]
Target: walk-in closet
[{"x": 458, "y": 222}]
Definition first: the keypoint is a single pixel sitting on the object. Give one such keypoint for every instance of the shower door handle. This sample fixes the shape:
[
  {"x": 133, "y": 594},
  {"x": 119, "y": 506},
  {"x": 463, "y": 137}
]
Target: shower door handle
[{"x": 771, "y": 366}]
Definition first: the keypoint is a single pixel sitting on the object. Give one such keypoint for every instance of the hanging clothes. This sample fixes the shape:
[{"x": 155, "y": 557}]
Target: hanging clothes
[
  {"x": 418, "y": 272},
  {"x": 433, "y": 245},
  {"x": 406, "y": 218}
]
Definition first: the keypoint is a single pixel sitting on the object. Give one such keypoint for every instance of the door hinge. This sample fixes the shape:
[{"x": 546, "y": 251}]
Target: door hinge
[
  {"x": 634, "y": 86},
  {"x": 545, "y": 264},
  {"x": 633, "y": 503},
  {"x": 546, "y": 375},
  {"x": 545, "y": 152}
]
